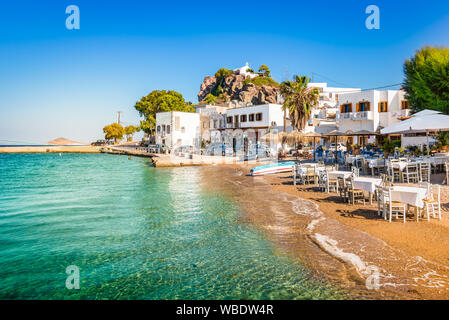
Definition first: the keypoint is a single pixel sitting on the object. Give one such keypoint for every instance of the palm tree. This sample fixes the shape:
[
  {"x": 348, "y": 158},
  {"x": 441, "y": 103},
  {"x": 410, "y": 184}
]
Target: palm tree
[{"x": 299, "y": 99}]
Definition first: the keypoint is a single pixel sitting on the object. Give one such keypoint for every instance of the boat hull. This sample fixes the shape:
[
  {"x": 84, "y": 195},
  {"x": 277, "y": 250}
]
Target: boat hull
[{"x": 272, "y": 168}]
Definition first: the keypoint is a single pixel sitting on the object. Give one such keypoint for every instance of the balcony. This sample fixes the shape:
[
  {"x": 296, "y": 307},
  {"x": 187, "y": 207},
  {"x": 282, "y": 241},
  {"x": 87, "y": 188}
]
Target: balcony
[
  {"x": 404, "y": 113},
  {"x": 351, "y": 116}
]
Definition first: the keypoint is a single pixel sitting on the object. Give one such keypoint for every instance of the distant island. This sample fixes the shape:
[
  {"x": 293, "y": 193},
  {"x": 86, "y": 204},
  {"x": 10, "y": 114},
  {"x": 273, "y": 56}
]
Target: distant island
[{"x": 65, "y": 142}]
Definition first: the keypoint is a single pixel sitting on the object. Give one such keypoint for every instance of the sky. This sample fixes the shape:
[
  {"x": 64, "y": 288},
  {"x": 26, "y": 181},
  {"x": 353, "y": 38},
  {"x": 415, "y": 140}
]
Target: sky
[{"x": 56, "y": 82}]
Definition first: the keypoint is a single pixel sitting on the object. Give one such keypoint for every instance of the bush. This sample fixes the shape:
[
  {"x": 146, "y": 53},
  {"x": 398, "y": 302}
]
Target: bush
[
  {"x": 390, "y": 145},
  {"x": 222, "y": 73},
  {"x": 260, "y": 81}
]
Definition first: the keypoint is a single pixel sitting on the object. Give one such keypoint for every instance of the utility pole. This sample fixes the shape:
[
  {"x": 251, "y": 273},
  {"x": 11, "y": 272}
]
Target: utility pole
[
  {"x": 285, "y": 110},
  {"x": 119, "y": 113},
  {"x": 313, "y": 77}
]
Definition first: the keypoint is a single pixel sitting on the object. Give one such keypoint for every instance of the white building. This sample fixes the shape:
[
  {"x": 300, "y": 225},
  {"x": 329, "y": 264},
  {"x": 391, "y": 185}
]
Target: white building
[
  {"x": 246, "y": 125},
  {"x": 212, "y": 119},
  {"x": 176, "y": 128},
  {"x": 323, "y": 117},
  {"x": 244, "y": 71},
  {"x": 264, "y": 117},
  {"x": 370, "y": 110}
]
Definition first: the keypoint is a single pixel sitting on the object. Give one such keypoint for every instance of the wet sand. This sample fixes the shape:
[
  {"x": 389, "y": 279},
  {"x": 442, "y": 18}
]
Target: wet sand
[{"x": 359, "y": 251}]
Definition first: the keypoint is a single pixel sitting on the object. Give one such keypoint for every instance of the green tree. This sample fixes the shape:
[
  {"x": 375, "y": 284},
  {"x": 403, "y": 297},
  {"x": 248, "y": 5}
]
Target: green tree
[
  {"x": 210, "y": 99},
  {"x": 160, "y": 101},
  {"x": 264, "y": 71},
  {"x": 427, "y": 79},
  {"x": 299, "y": 99},
  {"x": 129, "y": 132},
  {"x": 222, "y": 73},
  {"x": 114, "y": 131}
]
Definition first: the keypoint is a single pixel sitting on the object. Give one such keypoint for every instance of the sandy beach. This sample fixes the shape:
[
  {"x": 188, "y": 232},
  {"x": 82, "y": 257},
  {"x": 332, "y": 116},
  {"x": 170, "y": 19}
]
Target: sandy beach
[{"x": 348, "y": 243}]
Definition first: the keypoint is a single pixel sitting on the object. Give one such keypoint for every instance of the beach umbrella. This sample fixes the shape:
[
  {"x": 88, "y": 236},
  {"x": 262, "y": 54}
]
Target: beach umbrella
[
  {"x": 312, "y": 135},
  {"x": 294, "y": 137},
  {"x": 336, "y": 134},
  {"x": 362, "y": 133}
]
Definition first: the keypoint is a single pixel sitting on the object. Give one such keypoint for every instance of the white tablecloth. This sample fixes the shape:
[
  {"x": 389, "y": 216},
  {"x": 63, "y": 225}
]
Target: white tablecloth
[
  {"x": 302, "y": 170},
  {"x": 340, "y": 174},
  {"x": 375, "y": 163},
  {"x": 367, "y": 184},
  {"x": 409, "y": 195},
  {"x": 399, "y": 165},
  {"x": 438, "y": 160}
]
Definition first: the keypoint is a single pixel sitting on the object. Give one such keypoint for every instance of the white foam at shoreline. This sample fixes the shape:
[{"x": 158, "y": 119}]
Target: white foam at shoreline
[{"x": 418, "y": 271}]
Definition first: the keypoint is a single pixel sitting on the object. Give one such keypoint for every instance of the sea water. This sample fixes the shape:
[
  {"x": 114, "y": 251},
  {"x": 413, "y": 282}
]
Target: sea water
[{"x": 134, "y": 232}]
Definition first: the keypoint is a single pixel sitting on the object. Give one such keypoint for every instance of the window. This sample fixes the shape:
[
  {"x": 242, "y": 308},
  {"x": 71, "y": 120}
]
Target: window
[
  {"x": 215, "y": 124},
  {"x": 177, "y": 125},
  {"x": 251, "y": 117},
  {"x": 163, "y": 128},
  {"x": 168, "y": 129},
  {"x": 405, "y": 105},
  {"x": 345, "y": 108},
  {"x": 383, "y": 106},
  {"x": 228, "y": 119},
  {"x": 243, "y": 118},
  {"x": 158, "y": 129},
  {"x": 259, "y": 116},
  {"x": 363, "y": 106},
  {"x": 183, "y": 130}
]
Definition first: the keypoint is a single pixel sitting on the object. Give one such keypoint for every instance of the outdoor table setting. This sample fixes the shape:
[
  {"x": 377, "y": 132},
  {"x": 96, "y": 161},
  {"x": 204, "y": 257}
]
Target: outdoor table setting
[
  {"x": 398, "y": 165},
  {"x": 412, "y": 196},
  {"x": 302, "y": 169},
  {"x": 367, "y": 184},
  {"x": 438, "y": 160},
  {"x": 340, "y": 174}
]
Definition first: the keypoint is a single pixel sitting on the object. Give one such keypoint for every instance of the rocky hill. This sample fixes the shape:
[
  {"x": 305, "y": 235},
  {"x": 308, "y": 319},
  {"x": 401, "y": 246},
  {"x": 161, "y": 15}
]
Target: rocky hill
[{"x": 227, "y": 86}]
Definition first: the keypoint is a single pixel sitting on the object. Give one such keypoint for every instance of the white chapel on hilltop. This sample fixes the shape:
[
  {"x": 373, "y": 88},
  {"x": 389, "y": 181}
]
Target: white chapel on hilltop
[{"x": 244, "y": 71}]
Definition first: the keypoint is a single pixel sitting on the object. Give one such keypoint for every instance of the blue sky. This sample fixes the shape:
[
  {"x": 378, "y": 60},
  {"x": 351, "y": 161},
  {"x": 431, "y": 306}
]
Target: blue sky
[{"x": 57, "y": 82}]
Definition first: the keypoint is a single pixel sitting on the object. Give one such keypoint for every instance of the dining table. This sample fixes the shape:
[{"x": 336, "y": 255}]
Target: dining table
[
  {"x": 367, "y": 184},
  {"x": 340, "y": 174},
  {"x": 413, "y": 196}
]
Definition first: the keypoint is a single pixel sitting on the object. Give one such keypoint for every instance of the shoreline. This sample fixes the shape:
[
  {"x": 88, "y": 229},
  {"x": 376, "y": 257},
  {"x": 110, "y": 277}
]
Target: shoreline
[
  {"x": 51, "y": 149},
  {"x": 412, "y": 259}
]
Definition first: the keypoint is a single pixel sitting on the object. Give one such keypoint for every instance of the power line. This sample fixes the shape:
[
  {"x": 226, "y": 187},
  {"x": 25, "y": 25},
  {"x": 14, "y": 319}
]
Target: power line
[
  {"x": 368, "y": 89},
  {"x": 331, "y": 80},
  {"x": 383, "y": 87},
  {"x": 341, "y": 83}
]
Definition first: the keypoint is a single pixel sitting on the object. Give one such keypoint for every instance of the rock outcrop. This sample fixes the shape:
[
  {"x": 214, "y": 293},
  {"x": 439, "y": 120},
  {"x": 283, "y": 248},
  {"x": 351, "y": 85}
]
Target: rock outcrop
[{"x": 234, "y": 88}]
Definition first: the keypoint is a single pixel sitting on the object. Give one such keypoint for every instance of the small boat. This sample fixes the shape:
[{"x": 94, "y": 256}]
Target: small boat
[{"x": 273, "y": 168}]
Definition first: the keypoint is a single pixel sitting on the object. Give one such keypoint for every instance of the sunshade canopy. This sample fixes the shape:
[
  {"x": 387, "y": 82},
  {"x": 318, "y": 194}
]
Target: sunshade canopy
[
  {"x": 430, "y": 122},
  {"x": 425, "y": 112}
]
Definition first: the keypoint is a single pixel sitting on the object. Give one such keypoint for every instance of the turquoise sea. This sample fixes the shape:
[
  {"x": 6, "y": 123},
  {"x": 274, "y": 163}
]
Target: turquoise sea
[{"x": 134, "y": 232}]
